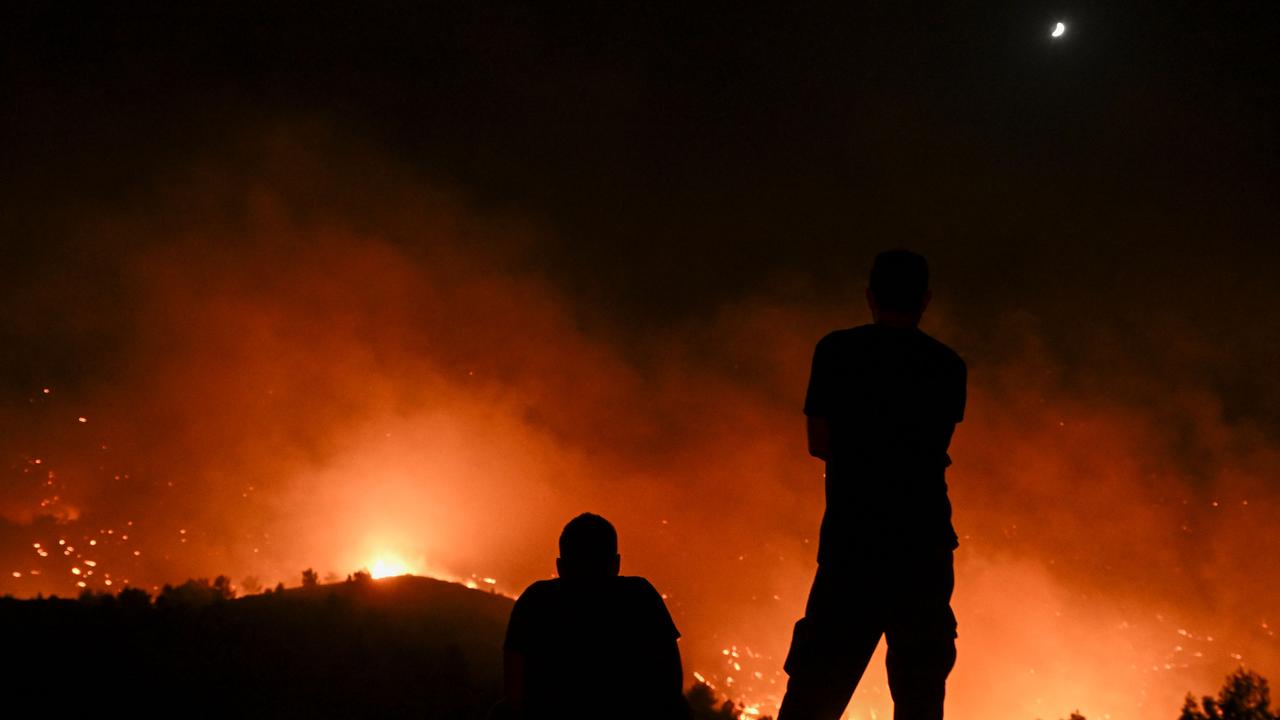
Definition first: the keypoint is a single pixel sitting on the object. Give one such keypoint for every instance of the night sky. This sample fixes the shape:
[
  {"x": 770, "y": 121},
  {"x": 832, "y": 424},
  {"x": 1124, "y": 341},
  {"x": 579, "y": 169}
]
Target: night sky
[{"x": 594, "y": 245}]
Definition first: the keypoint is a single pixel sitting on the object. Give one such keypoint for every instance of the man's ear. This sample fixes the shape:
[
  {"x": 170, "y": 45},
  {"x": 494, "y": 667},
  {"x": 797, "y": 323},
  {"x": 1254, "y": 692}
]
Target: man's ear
[
  {"x": 924, "y": 300},
  {"x": 616, "y": 568},
  {"x": 560, "y": 567}
]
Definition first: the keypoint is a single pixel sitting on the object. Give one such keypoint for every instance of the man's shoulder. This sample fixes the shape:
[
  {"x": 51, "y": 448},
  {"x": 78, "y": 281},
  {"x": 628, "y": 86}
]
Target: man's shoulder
[
  {"x": 638, "y": 593},
  {"x": 539, "y": 590},
  {"x": 545, "y": 585},
  {"x": 629, "y": 585},
  {"x": 943, "y": 351},
  {"x": 844, "y": 337},
  {"x": 636, "y": 585},
  {"x": 646, "y": 602}
]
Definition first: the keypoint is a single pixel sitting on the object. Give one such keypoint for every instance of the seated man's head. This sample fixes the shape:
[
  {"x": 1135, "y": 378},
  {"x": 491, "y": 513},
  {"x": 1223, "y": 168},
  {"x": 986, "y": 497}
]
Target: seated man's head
[
  {"x": 588, "y": 548},
  {"x": 899, "y": 289}
]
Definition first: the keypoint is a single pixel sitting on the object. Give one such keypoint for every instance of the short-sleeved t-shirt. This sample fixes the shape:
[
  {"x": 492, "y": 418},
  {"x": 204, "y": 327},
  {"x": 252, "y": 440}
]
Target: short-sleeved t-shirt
[
  {"x": 597, "y": 648},
  {"x": 891, "y": 397}
]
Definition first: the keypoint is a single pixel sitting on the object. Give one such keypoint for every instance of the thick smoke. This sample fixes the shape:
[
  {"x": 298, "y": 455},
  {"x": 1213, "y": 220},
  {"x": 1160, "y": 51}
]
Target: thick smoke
[{"x": 289, "y": 356}]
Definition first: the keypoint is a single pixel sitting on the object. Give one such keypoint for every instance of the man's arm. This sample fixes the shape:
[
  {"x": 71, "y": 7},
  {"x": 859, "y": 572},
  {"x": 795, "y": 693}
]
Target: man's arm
[
  {"x": 819, "y": 436},
  {"x": 817, "y": 399},
  {"x": 675, "y": 675},
  {"x": 676, "y": 669}
]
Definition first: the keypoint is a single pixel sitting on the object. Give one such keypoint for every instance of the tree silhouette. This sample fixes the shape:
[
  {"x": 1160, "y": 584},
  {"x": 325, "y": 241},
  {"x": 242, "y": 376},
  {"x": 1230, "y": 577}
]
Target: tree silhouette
[
  {"x": 310, "y": 578},
  {"x": 196, "y": 593},
  {"x": 1244, "y": 696},
  {"x": 133, "y": 599},
  {"x": 222, "y": 589}
]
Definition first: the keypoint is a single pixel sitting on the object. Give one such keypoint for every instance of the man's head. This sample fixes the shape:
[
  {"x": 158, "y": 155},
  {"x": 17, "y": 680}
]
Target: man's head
[
  {"x": 899, "y": 289},
  {"x": 588, "y": 548}
]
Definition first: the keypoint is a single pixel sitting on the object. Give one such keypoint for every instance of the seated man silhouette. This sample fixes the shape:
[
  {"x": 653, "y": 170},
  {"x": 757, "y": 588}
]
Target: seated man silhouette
[
  {"x": 592, "y": 643},
  {"x": 882, "y": 404}
]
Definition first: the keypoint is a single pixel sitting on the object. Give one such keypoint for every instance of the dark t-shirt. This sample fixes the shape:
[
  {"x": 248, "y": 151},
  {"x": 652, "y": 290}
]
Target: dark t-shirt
[
  {"x": 892, "y": 398},
  {"x": 597, "y": 648}
]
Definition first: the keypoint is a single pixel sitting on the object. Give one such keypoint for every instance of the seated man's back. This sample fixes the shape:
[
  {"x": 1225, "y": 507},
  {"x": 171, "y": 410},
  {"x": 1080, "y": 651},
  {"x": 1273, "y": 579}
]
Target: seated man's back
[{"x": 592, "y": 643}]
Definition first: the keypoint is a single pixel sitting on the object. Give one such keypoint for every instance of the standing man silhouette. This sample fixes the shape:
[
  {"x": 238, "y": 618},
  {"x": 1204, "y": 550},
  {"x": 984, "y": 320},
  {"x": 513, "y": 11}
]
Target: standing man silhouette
[{"x": 882, "y": 404}]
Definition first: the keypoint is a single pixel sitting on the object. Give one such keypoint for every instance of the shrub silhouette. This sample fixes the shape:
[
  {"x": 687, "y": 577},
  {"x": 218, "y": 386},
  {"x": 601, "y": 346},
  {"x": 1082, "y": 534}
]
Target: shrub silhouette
[
  {"x": 133, "y": 599},
  {"x": 196, "y": 593},
  {"x": 1244, "y": 696}
]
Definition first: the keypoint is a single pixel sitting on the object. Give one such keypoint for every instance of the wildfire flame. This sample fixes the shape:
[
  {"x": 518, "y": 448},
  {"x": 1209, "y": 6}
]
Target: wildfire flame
[{"x": 389, "y": 565}]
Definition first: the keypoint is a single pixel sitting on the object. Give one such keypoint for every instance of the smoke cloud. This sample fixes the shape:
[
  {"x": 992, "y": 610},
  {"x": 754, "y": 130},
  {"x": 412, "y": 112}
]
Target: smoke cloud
[{"x": 297, "y": 353}]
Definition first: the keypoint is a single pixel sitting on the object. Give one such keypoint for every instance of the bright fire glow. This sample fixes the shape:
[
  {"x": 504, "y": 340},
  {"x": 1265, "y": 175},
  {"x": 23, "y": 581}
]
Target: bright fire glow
[{"x": 389, "y": 566}]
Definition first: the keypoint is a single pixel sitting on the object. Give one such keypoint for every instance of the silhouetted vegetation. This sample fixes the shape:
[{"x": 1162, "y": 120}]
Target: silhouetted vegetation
[
  {"x": 251, "y": 585},
  {"x": 1244, "y": 696},
  {"x": 402, "y": 647},
  {"x": 196, "y": 593}
]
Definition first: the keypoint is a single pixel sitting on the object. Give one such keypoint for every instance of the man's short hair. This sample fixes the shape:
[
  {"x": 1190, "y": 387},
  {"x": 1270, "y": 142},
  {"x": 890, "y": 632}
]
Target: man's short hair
[
  {"x": 588, "y": 537},
  {"x": 899, "y": 280}
]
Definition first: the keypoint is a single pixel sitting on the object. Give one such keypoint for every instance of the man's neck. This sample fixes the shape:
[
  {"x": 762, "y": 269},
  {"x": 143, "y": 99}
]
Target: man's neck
[{"x": 903, "y": 321}]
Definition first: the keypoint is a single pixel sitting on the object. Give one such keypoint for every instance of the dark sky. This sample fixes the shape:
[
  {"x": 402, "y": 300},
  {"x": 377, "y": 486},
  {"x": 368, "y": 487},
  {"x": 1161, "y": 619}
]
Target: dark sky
[
  {"x": 679, "y": 157},
  {"x": 1121, "y": 179}
]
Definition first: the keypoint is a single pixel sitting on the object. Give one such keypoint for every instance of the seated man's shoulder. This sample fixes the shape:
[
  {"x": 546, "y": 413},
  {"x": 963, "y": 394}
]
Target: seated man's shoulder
[
  {"x": 645, "y": 599},
  {"x": 636, "y": 582},
  {"x": 638, "y": 587},
  {"x": 628, "y": 587},
  {"x": 543, "y": 586},
  {"x": 540, "y": 591}
]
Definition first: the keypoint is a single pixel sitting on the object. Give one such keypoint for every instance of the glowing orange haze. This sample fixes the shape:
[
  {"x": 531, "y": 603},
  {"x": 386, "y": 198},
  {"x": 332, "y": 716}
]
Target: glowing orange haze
[{"x": 335, "y": 378}]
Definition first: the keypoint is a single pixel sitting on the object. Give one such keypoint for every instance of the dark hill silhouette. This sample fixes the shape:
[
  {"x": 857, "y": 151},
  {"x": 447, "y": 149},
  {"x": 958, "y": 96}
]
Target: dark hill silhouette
[{"x": 397, "y": 647}]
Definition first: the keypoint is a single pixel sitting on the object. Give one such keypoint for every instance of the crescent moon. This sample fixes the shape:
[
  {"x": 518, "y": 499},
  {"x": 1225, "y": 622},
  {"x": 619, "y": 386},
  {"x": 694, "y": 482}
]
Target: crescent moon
[{"x": 1059, "y": 29}]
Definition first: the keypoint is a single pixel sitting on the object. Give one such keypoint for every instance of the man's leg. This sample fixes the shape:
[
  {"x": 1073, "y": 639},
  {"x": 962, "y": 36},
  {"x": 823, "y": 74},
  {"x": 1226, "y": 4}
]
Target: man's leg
[
  {"x": 830, "y": 649},
  {"x": 918, "y": 669},
  {"x": 922, "y": 640}
]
